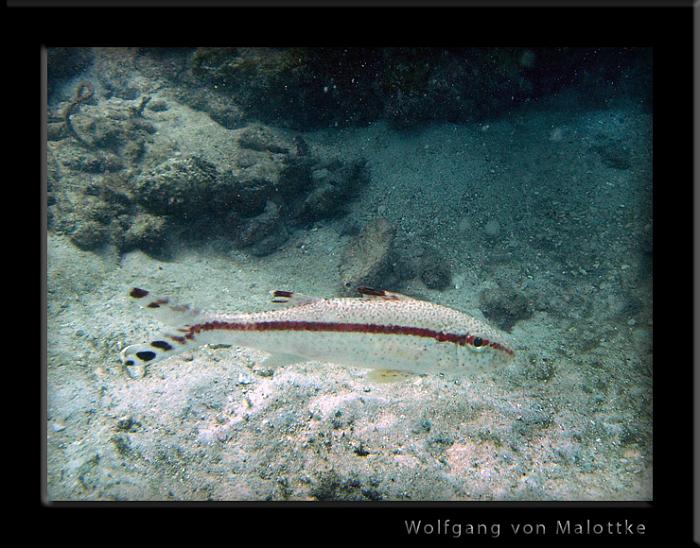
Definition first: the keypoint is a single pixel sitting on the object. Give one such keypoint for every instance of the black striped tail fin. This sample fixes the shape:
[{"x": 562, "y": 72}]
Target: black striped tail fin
[{"x": 167, "y": 344}]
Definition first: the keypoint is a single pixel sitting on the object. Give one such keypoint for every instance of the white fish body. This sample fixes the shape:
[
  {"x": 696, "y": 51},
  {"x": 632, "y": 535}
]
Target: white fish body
[{"x": 380, "y": 330}]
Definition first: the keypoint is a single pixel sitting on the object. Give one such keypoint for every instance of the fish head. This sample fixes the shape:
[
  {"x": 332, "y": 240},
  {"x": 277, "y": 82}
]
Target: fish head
[{"x": 483, "y": 348}]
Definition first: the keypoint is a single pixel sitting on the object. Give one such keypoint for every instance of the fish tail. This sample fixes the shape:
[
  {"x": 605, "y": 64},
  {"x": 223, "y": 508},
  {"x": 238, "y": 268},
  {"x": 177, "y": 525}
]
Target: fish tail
[
  {"x": 167, "y": 344},
  {"x": 159, "y": 349}
]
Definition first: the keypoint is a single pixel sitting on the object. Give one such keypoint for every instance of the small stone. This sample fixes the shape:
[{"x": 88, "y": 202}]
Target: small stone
[
  {"x": 58, "y": 426},
  {"x": 222, "y": 435},
  {"x": 128, "y": 424},
  {"x": 89, "y": 235},
  {"x": 435, "y": 271},
  {"x": 181, "y": 187},
  {"x": 157, "y": 105},
  {"x": 492, "y": 229},
  {"x": 366, "y": 259},
  {"x": 361, "y": 450},
  {"x": 148, "y": 232},
  {"x": 244, "y": 379},
  {"x": 264, "y": 139}
]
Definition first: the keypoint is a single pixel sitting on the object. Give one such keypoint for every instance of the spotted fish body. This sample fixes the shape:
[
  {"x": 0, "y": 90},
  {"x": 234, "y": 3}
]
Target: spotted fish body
[{"x": 380, "y": 330}]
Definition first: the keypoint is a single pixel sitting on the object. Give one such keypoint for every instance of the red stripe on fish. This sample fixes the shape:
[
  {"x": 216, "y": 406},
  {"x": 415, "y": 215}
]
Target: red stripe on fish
[{"x": 337, "y": 327}]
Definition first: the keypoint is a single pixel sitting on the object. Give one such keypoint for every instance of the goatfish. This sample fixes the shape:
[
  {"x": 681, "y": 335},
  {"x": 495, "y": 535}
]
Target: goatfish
[{"x": 390, "y": 333}]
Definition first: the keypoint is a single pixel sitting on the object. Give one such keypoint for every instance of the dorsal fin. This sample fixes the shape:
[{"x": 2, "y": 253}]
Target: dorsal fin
[
  {"x": 290, "y": 298},
  {"x": 369, "y": 293}
]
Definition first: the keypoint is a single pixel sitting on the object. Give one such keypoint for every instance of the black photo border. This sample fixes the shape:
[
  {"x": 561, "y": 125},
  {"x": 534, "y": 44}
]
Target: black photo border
[{"x": 668, "y": 31}]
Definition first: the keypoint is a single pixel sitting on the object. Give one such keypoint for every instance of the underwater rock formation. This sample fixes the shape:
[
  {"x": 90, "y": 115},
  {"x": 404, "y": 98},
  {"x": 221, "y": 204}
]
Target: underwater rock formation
[
  {"x": 264, "y": 139},
  {"x": 434, "y": 270},
  {"x": 261, "y": 234},
  {"x": 88, "y": 234},
  {"x": 267, "y": 183},
  {"x": 64, "y": 64},
  {"x": 148, "y": 233},
  {"x": 613, "y": 153},
  {"x": 421, "y": 261},
  {"x": 294, "y": 87},
  {"x": 306, "y": 88},
  {"x": 91, "y": 216},
  {"x": 111, "y": 133},
  {"x": 367, "y": 258},
  {"x": 334, "y": 184},
  {"x": 504, "y": 307},
  {"x": 268, "y": 187},
  {"x": 179, "y": 187}
]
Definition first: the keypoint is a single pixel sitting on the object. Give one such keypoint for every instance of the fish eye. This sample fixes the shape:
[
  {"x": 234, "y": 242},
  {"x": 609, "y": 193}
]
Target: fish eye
[{"x": 478, "y": 344}]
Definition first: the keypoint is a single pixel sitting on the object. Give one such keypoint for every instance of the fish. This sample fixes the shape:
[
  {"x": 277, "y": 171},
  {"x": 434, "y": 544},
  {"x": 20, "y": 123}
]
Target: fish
[{"x": 390, "y": 333}]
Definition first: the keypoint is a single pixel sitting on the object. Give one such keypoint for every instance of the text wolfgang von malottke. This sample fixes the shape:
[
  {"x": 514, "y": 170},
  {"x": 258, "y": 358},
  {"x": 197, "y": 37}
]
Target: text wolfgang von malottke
[{"x": 457, "y": 529}]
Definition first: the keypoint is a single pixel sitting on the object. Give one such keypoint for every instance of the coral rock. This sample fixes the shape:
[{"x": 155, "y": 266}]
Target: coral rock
[
  {"x": 505, "y": 307},
  {"x": 435, "y": 271},
  {"x": 147, "y": 232},
  {"x": 367, "y": 259},
  {"x": 89, "y": 235},
  {"x": 178, "y": 186}
]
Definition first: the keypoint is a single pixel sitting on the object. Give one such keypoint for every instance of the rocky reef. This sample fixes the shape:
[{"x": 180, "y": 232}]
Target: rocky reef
[
  {"x": 307, "y": 88},
  {"x": 505, "y": 306},
  {"x": 367, "y": 260},
  {"x": 377, "y": 257},
  {"x": 118, "y": 176},
  {"x": 113, "y": 179}
]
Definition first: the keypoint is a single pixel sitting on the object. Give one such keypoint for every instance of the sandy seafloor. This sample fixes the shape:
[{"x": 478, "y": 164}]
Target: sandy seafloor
[{"x": 568, "y": 419}]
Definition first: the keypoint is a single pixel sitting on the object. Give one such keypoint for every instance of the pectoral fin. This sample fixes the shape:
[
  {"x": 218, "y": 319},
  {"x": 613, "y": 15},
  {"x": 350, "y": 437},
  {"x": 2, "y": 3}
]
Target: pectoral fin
[
  {"x": 273, "y": 361},
  {"x": 388, "y": 375}
]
